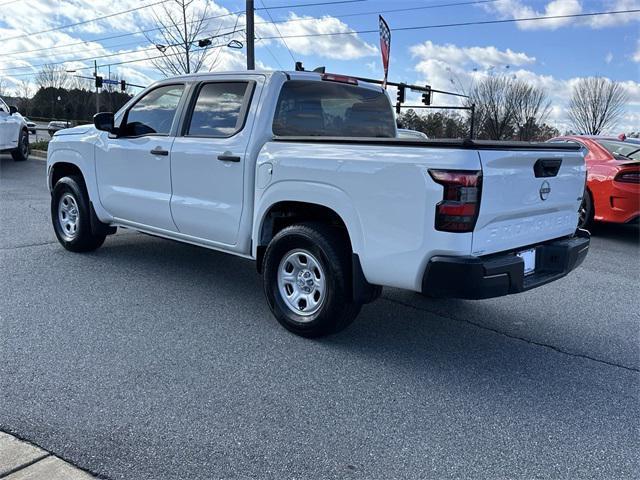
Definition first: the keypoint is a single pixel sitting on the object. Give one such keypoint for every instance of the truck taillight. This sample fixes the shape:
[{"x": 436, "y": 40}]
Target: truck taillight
[{"x": 460, "y": 205}]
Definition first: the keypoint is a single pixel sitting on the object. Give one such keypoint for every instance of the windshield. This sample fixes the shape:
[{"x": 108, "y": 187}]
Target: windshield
[
  {"x": 331, "y": 109},
  {"x": 623, "y": 149}
]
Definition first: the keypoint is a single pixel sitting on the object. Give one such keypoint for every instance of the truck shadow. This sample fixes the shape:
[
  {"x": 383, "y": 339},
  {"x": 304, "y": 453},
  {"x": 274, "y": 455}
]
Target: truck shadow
[
  {"x": 629, "y": 234},
  {"x": 402, "y": 322}
]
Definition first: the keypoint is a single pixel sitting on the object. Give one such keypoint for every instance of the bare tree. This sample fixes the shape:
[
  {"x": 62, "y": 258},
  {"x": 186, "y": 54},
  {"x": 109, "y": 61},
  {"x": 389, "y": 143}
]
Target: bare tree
[
  {"x": 180, "y": 25},
  {"x": 597, "y": 104},
  {"x": 507, "y": 107},
  {"x": 53, "y": 76},
  {"x": 531, "y": 108},
  {"x": 24, "y": 89},
  {"x": 494, "y": 107},
  {"x": 24, "y": 92}
]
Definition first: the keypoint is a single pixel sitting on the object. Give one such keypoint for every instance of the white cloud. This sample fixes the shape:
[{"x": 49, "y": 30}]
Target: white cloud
[
  {"x": 343, "y": 47},
  {"x": 636, "y": 55},
  {"x": 453, "y": 68},
  {"x": 482, "y": 56},
  {"x": 68, "y": 45},
  {"x": 608, "y": 57},
  {"x": 526, "y": 9},
  {"x": 604, "y": 21}
]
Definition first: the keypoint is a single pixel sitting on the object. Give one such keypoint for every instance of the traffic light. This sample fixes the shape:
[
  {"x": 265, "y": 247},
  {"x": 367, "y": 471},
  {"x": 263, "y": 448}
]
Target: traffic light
[
  {"x": 426, "y": 96},
  {"x": 123, "y": 86},
  {"x": 400, "y": 97},
  {"x": 98, "y": 82}
]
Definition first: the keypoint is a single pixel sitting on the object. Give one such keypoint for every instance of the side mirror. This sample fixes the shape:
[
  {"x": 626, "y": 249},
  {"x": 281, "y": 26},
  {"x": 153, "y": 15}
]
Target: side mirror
[
  {"x": 13, "y": 109},
  {"x": 104, "y": 121}
]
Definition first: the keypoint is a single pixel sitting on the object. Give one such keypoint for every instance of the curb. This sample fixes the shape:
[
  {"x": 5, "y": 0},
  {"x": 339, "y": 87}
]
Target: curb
[
  {"x": 38, "y": 155},
  {"x": 20, "y": 460}
]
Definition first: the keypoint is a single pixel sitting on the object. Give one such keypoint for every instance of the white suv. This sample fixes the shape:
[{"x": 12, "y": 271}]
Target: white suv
[{"x": 14, "y": 134}]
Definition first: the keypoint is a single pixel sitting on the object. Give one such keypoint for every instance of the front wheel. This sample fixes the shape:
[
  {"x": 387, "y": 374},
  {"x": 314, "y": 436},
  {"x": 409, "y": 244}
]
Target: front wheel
[
  {"x": 307, "y": 280},
  {"x": 70, "y": 214},
  {"x": 21, "y": 152}
]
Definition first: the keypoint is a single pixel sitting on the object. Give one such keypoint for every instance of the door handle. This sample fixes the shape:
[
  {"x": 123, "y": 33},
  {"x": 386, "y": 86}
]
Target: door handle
[
  {"x": 228, "y": 158},
  {"x": 159, "y": 151},
  {"x": 547, "y": 167}
]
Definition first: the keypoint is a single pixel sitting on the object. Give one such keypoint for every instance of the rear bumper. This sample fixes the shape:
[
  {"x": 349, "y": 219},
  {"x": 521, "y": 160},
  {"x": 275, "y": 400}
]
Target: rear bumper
[
  {"x": 616, "y": 202},
  {"x": 503, "y": 274}
]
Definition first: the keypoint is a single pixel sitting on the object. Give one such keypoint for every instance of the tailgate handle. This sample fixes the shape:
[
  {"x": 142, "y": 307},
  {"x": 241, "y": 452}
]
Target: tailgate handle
[{"x": 547, "y": 167}]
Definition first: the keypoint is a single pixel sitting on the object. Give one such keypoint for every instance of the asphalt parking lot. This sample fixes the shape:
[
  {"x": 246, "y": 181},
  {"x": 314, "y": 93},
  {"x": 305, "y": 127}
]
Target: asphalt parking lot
[{"x": 149, "y": 359}]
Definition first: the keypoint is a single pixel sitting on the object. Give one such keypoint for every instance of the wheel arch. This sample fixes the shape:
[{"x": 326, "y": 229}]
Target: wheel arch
[
  {"x": 61, "y": 169},
  {"x": 306, "y": 201},
  {"x": 325, "y": 204}
]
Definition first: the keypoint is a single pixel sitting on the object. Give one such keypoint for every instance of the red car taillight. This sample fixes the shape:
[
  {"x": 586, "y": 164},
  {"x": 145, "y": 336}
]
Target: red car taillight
[
  {"x": 632, "y": 176},
  {"x": 460, "y": 205}
]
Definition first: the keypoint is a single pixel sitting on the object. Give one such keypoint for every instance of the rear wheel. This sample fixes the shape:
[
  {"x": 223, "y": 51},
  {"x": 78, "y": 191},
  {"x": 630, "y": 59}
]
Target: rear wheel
[
  {"x": 21, "y": 152},
  {"x": 585, "y": 214},
  {"x": 307, "y": 280},
  {"x": 70, "y": 214}
]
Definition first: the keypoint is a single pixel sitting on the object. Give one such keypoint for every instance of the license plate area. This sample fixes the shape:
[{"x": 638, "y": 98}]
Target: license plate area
[{"x": 529, "y": 259}]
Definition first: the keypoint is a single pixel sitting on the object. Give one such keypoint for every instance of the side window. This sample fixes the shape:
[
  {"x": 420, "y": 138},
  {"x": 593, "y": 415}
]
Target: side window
[
  {"x": 219, "y": 110},
  {"x": 153, "y": 114}
]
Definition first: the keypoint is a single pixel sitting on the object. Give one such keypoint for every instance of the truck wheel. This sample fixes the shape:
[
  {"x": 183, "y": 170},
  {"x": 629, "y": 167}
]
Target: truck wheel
[
  {"x": 307, "y": 280},
  {"x": 70, "y": 216},
  {"x": 21, "y": 152},
  {"x": 585, "y": 214}
]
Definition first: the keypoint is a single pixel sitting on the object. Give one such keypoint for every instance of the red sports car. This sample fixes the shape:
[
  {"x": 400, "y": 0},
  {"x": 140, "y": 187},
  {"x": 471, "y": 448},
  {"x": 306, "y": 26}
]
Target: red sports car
[{"x": 613, "y": 179}]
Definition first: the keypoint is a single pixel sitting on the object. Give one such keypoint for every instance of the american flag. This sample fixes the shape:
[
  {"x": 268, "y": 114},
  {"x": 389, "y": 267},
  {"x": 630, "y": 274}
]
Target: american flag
[{"x": 385, "y": 47}]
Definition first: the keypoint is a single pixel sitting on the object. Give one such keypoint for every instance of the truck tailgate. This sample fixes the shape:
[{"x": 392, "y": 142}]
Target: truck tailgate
[{"x": 527, "y": 197}]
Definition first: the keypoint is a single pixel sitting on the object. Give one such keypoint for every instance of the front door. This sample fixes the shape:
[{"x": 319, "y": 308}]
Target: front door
[
  {"x": 208, "y": 161},
  {"x": 134, "y": 167}
]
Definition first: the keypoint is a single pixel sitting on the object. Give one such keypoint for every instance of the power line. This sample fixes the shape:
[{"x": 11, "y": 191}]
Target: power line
[
  {"x": 83, "y": 22},
  {"x": 392, "y": 10},
  {"x": 461, "y": 24},
  {"x": 112, "y": 37},
  {"x": 96, "y": 57},
  {"x": 271, "y": 53},
  {"x": 124, "y": 62},
  {"x": 278, "y": 30}
]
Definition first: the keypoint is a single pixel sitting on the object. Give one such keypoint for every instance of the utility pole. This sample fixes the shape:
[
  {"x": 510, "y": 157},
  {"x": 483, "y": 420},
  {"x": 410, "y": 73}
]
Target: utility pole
[
  {"x": 187, "y": 44},
  {"x": 95, "y": 75},
  {"x": 251, "y": 37}
]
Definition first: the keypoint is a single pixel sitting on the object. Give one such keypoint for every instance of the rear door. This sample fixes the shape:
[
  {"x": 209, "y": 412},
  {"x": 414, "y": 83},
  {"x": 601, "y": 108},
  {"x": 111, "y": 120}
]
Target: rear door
[
  {"x": 528, "y": 197},
  {"x": 208, "y": 160}
]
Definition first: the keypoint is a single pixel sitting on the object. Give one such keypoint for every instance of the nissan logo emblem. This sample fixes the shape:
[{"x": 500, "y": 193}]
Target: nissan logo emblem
[{"x": 545, "y": 190}]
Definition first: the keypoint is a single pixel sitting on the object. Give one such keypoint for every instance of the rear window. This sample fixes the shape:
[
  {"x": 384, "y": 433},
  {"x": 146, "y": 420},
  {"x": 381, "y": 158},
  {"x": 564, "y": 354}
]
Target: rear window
[
  {"x": 330, "y": 109},
  {"x": 623, "y": 149}
]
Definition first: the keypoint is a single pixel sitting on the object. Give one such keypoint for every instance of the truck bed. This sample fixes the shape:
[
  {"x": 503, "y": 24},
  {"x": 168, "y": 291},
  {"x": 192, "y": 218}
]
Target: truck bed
[{"x": 466, "y": 143}]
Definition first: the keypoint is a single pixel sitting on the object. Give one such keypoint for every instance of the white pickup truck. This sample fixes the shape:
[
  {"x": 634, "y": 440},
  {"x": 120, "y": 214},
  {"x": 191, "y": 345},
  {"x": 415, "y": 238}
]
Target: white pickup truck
[
  {"x": 14, "y": 133},
  {"x": 303, "y": 173}
]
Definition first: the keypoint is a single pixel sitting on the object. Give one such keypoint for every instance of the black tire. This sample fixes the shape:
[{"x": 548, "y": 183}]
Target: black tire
[
  {"x": 330, "y": 247},
  {"x": 585, "y": 214},
  {"x": 21, "y": 152},
  {"x": 81, "y": 239}
]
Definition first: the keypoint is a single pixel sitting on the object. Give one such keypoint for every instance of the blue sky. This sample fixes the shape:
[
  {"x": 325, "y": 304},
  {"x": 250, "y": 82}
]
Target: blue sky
[{"x": 551, "y": 54}]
